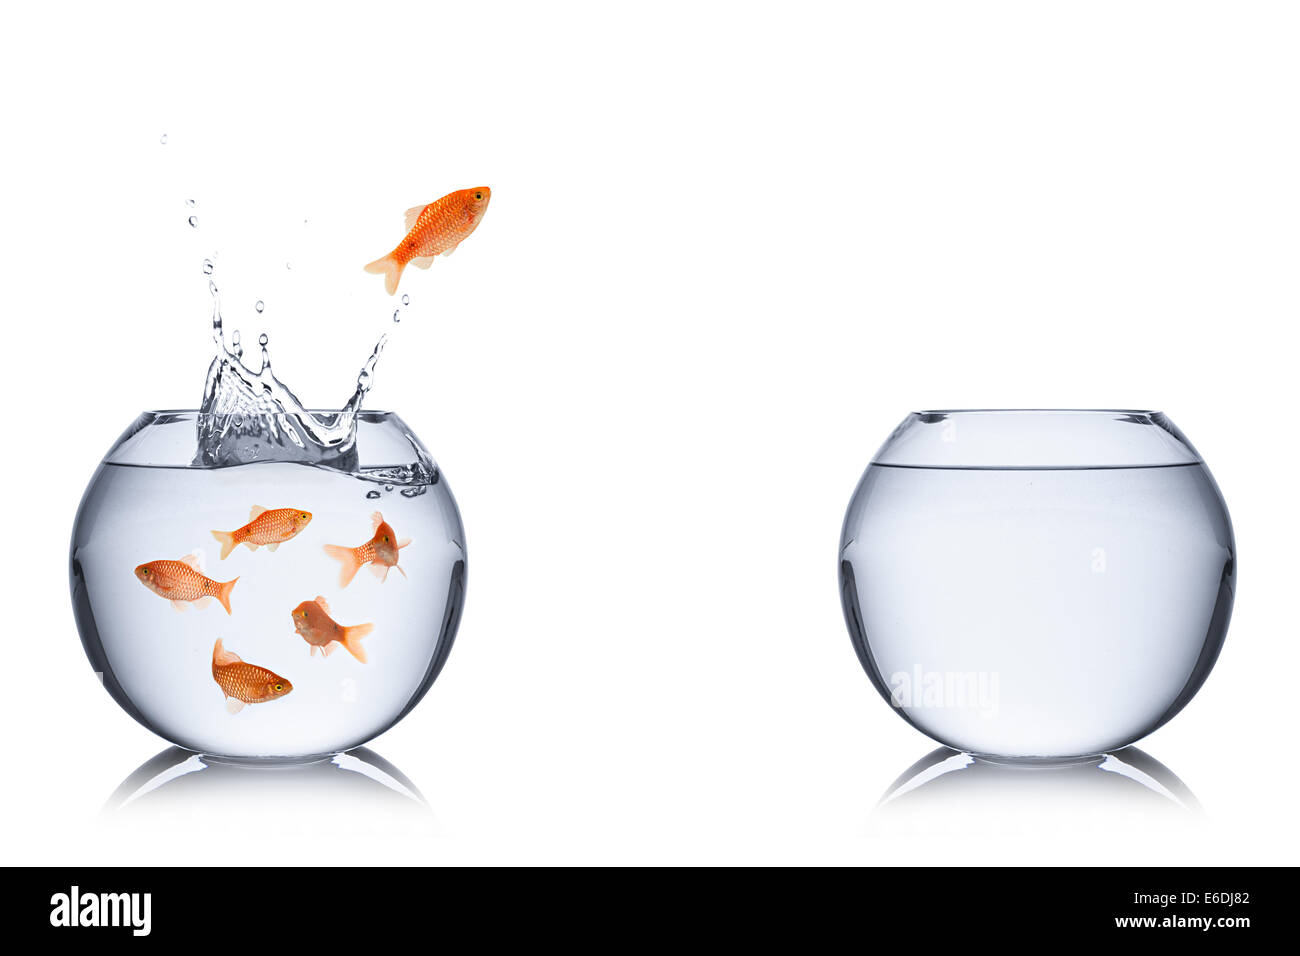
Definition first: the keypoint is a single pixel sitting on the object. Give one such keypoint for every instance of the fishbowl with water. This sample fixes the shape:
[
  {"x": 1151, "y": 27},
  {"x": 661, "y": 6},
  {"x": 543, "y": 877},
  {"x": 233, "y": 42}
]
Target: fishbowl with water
[
  {"x": 1037, "y": 584},
  {"x": 257, "y": 580}
]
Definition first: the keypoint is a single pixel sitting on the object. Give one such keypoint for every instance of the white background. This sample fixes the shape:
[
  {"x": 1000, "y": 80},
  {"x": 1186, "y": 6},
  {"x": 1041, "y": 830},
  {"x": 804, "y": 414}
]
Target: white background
[{"x": 729, "y": 247}]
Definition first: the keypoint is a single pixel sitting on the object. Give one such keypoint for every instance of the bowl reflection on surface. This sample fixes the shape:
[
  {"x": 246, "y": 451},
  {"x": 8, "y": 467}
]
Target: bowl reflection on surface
[
  {"x": 949, "y": 788},
  {"x": 357, "y": 790}
]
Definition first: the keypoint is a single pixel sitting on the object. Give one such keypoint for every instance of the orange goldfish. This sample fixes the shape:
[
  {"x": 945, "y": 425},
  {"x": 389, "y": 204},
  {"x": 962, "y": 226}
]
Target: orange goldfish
[
  {"x": 270, "y": 528},
  {"x": 244, "y": 683},
  {"x": 380, "y": 552},
  {"x": 433, "y": 230},
  {"x": 312, "y": 620},
  {"x": 183, "y": 583}
]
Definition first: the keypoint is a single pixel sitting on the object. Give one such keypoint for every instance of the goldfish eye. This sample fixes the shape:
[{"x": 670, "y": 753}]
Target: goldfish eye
[
  {"x": 478, "y": 195},
  {"x": 385, "y": 539},
  {"x": 145, "y": 572},
  {"x": 279, "y": 687},
  {"x": 305, "y": 517}
]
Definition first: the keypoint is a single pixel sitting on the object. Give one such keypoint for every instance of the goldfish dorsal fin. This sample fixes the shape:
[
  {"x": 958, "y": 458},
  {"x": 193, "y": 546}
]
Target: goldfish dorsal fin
[
  {"x": 256, "y": 510},
  {"x": 192, "y": 560},
  {"x": 423, "y": 262},
  {"x": 411, "y": 215},
  {"x": 376, "y": 519},
  {"x": 222, "y": 657},
  {"x": 324, "y": 605}
]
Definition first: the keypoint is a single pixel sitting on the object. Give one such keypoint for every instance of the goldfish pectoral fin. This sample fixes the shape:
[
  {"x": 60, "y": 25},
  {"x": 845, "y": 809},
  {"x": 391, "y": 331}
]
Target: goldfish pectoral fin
[
  {"x": 311, "y": 650},
  {"x": 403, "y": 543},
  {"x": 379, "y": 570},
  {"x": 233, "y": 705},
  {"x": 448, "y": 252},
  {"x": 202, "y": 602},
  {"x": 251, "y": 546},
  {"x": 411, "y": 215},
  {"x": 329, "y": 649},
  {"x": 422, "y": 262},
  {"x": 398, "y": 567},
  {"x": 272, "y": 547},
  {"x": 180, "y": 605}
]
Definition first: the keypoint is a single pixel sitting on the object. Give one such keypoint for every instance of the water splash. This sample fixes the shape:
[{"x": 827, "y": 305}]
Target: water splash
[{"x": 248, "y": 416}]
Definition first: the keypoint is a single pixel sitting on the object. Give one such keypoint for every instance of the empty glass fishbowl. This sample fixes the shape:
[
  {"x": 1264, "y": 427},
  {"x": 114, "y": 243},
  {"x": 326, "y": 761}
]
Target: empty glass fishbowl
[
  {"x": 1037, "y": 583},
  {"x": 267, "y": 608}
]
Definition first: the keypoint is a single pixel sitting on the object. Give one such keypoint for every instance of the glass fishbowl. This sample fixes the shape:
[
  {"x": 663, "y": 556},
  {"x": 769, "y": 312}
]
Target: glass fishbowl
[
  {"x": 267, "y": 608},
  {"x": 1037, "y": 583}
]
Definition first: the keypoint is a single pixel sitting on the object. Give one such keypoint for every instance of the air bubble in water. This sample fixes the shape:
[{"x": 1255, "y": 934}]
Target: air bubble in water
[
  {"x": 262, "y": 340},
  {"x": 397, "y": 315},
  {"x": 163, "y": 139},
  {"x": 259, "y": 307},
  {"x": 406, "y": 300},
  {"x": 190, "y": 203},
  {"x": 207, "y": 267},
  {"x": 388, "y": 487},
  {"x": 372, "y": 494},
  {"x": 288, "y": 265},
  {"x": 194, "y": 221}
]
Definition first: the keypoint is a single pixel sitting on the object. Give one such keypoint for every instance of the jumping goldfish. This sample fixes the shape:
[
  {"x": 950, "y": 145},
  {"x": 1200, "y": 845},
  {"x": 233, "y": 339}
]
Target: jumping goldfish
[
  {"x": 380, "y": 552},
  {"x": 183, "y": 583},
  {"x": 312, "y": 620},
  {"x": 244, "y": 683},
  {"x": 270, "y": 528},
  {"x": 433, "y": 230}
]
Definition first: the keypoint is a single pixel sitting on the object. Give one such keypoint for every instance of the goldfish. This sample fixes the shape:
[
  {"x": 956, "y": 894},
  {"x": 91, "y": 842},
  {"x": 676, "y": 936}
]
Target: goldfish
[
  {"x": 380, "y": 552},
  {"x": 183, "y": 583},
  {"x": 271, "y": 528},
  {"x": 312, "y": 620},
  {"x": 433, "y": 230},
  {"x": 244, "y": 683}
]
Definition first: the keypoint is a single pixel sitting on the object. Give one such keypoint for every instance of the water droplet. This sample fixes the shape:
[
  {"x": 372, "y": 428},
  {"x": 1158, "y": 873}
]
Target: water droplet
[
  {"x": 262, "y": 340},
  {"x": 406, "y": 300},
  {"x": 207, "y": 267},
  {"x": 259, "y": 307},
  {"x": 163, "y": 139},
  {"x": 397, "y": 316},
  {"x": 194, "y": 221},
  {"x": 190, "y": 203},
  {"x": 288, "y": 265},
  {"x": 388, "y": 487},
  {"x": 372, "y": 494}
]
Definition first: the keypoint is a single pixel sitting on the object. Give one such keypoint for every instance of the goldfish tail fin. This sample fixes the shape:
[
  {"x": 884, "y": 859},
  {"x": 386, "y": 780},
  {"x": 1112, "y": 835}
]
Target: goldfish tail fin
[
  {"x": 352, "y": 640},
  {"x": 390, "y": 269},
  {"x": 227, "y": 539},
  {"x": 348, "y": 557},
  {"x": 223, "y": 594}
]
